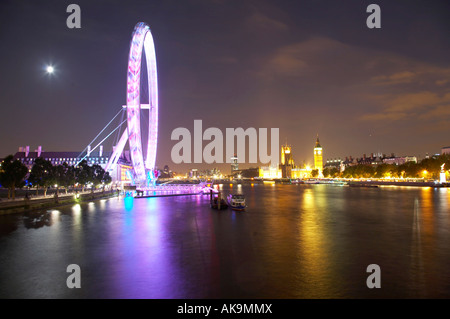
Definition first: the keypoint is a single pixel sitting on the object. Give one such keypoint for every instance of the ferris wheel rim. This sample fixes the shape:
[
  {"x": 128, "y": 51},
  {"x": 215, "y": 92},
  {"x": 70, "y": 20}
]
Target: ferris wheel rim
[{"x": 142, "y": 40}]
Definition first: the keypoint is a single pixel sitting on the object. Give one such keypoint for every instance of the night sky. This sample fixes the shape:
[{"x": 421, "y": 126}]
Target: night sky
[{"x": 307, "y": 67}]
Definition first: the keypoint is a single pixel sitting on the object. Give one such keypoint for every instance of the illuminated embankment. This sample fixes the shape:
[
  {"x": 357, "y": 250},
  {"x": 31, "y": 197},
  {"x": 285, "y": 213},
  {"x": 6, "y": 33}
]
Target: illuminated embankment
[{"x": 26, "y": 205}]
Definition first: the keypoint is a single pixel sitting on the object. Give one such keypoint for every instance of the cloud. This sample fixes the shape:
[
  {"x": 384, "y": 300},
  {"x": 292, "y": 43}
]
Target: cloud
[
  {"x": 414, "y": 101},
  {"x": 408, "y": 89},
  {"x": 441, "y": 126},
  {"x": 368, "y": 86},
  {"x": 441, "y": 82},
  {"x": 286, "y": 62},
  {"x": 396, "y": 78},
  {"x": 312, "y": 57},
  {"x": 388, "y": 116},
  {"x": 423, "y": 105},
  {"x": 413, "y": 72},
  {"x": 440, "y": 112},
  {"x": 260, "y": 22}
]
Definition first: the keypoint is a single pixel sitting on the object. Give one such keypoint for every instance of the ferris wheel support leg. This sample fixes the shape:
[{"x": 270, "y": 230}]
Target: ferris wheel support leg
[
  {"x": 151, "y": 180},
  {"x": 117, "y": 152}
]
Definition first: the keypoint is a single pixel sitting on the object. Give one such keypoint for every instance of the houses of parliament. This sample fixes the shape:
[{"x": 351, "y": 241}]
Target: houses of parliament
[{"x": 288, "y": 169}]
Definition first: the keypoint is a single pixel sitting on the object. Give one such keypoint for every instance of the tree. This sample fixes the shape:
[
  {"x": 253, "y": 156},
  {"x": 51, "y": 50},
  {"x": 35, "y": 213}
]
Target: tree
[
  {"x": 359, "y": 171},
  {"x": 98, "y": 175},
  {"x": 383, "y": 170},
  {"x": 12, "y": 175},
  {"x": 42, "y": 174},
  {"x": 433, "y": 165},
  {"x": 64, "y": 176},
  {"x": 84, "y": 174},
  {"x": 334, "y": 172},
  {"x": 58, "y": 174},
  {"x": 348, "y": 172},
  {"x": 70, "y": 178},
  {"x": 367, "y": 171},
  {"x": 107, "y": 178},
  {"x": 314, "y": 173},
  {"x": 351, "y": 171},
  {"x": 331, "y": 172},
  {"x": 411, "y": 169}
]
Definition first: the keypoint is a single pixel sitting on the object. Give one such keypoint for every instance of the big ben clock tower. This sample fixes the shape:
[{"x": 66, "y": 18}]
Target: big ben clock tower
[{"x": 318, "y": 157}]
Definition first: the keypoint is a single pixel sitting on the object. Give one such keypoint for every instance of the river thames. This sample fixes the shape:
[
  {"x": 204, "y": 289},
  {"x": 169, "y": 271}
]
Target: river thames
[{"x": 293, "y": 241}]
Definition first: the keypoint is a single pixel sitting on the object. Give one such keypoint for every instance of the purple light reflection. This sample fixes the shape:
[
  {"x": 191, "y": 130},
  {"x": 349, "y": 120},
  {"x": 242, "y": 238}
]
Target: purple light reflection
[{"x": 145, "y": 264}]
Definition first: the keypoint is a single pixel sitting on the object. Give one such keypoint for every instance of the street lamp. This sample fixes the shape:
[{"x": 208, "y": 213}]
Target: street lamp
[{"x": 424, "y": 173}]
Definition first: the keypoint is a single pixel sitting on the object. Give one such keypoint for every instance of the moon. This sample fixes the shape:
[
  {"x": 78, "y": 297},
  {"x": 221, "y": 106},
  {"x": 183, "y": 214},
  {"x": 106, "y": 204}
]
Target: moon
[{"x": 50, "y": 69}]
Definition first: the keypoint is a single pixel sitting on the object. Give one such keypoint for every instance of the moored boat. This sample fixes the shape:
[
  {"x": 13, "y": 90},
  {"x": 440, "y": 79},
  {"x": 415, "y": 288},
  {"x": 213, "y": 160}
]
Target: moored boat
[
  {"x": 362, "y": 185},
  {"x": 236, "y": 201},
  {"x": 311, "y": 181},
  {"x": 218, "y": 202},
  {"x": 215, "y": 204}
]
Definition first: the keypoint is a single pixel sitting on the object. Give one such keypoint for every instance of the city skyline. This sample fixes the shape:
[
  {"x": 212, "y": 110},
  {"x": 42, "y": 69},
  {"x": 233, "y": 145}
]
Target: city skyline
[{"x": 307, "y": 68}]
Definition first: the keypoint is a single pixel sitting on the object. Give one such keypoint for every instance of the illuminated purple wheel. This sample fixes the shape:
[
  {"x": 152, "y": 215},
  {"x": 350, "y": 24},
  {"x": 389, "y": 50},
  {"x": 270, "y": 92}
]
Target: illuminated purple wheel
[{"x": 142, "y": 39}]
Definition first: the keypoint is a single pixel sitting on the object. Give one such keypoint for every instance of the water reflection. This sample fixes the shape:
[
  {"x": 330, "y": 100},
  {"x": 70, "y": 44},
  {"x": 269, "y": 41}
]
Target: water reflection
[
  {"x": 37, "y": 219},
  {"x": 426, "y": 208},
  {"x": 315, "y": 244},
  {"x": 293, "y": 241},
  {"x": 430, "y": 231},
  {"x": 7, "y": 225},
  {"x": 129, "y": 201},
  {"x": 91, "y": 206},
  {"x": 55, "y": 216},
  {"x": 76, "y": 213},
  {"x": 144, "y": 267},
  {"x": 417, "y": 267}
]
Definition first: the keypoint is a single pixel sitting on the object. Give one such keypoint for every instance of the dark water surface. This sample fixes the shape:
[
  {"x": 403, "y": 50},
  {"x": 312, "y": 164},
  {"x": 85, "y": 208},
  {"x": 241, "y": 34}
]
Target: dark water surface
[{"x": 294, "y": 241}]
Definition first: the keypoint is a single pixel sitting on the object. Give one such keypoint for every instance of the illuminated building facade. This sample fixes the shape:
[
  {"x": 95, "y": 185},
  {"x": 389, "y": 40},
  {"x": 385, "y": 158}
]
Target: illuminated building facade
[
  {"x": 301, "y": 173},
  {"x": 287, "y": 168},
  {"x": 286, "y": 155},
  {"x": 118, "y": 174},
  {"x": 443, "y": 178},
  {"x": 287, "y": 162},
  {"x": 234, "y": 165},
  {"x": 269, "y": 172},
  {"x": 124, "y": 175},
  {"x": 193, "y": 173},
  {"x": 399, "y": 160},
  {"x": 318, "y": 157}
]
